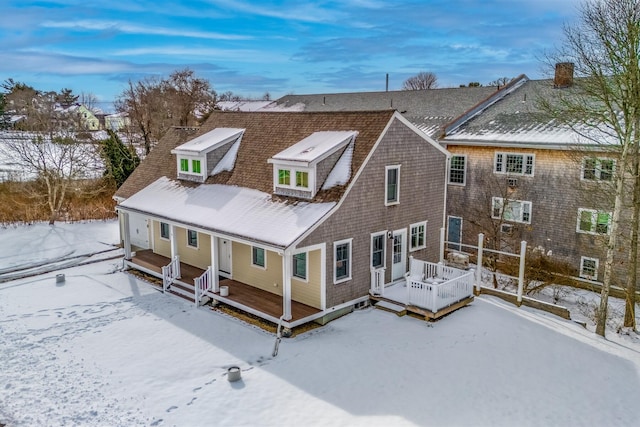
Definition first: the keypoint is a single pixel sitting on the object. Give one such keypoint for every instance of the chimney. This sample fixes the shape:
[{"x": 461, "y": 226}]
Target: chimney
[{"x": 564, "y": 75}]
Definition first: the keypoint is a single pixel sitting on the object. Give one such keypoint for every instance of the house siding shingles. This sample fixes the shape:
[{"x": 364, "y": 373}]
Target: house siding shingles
[{"x": 422, "y": 186}]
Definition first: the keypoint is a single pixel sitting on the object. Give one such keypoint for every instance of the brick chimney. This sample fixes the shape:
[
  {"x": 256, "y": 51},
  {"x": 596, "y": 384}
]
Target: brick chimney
[{"x": 564, "y": 75}]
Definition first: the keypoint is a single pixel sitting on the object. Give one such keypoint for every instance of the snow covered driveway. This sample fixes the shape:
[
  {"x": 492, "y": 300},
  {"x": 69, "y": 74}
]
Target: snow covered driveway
[{"x": 106, "y": 349}]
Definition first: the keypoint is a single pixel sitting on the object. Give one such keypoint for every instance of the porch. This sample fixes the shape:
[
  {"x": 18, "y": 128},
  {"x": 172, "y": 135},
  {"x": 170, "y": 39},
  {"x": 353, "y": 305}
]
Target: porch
[
  {"x": 266, "y": 305},
  {"x": 429, "y": 289}
]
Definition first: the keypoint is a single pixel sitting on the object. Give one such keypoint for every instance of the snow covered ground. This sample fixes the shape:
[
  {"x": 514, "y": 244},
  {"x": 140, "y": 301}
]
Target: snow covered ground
[{"x": 107, "y": 349}]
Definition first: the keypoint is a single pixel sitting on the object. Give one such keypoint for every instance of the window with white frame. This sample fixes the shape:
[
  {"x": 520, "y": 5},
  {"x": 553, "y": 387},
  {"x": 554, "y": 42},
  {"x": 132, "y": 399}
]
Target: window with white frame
[
  {"x": 511, "y": 210},
  {"x": 190, "y": 166},
  {"x": 164, "y": 230},
  {"x": 392, "y": 185},
  {"x": 592, "y": 221},
  {"x": 293, "y": 177},
  {"x": 514, "y": 163},
  {"x": 589, "y": 268},
  {"x": 418, "y": 236},
  {"x": 378, "y": 242},
  {"x": 257, "y": 257},
  {"x": 300, "y": 265},
  {"x": 596, "y": 169},
  {"x": 457, "y": 170},
  {"x": 342, "y": 261},
  {"x": 192, "y": 238}
]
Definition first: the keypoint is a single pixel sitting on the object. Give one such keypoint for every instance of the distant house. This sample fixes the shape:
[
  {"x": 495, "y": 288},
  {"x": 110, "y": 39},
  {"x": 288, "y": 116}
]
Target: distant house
[
  {"x": 286, "y": 215},
  {"x": 116, "y": 121},
  {"x": 84, "y": 118}
]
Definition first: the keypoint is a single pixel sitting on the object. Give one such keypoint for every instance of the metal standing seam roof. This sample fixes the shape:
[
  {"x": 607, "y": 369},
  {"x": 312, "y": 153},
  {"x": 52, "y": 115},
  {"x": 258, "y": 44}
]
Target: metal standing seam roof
[{"x": 209, "y": 140}]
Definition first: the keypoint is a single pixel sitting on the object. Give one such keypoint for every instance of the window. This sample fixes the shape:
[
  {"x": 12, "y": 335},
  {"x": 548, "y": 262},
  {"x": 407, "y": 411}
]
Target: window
[
  {"x": 517, "y": 164},
  {"x": 593, "y": 222},
  {"x": 257, "y": 257},
  {"x": 392, "y": 185},
  {"x": 184, "y": 165},
  {"x": 302, "y": 179},
  {"x": 192, "y": 238},
  {"x": 284, "y": 177},
  {"x": 300, "y": 265},
  {"x": 196, "y": 166},
  {"x": 342, "y": 261},
  {"x": 589, "y": 268},
  {"x": 511, "y": 210},
  {"x": 418, "y": 236},
  {"x": 598, "y": 169},
  {"x": 377, "y": 249},
  {"x": 164, "y": 230},
  {"x": 457, "y": 170}
]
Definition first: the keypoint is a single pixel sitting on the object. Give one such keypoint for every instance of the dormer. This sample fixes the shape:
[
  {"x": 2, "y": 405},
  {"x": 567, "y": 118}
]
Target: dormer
[
  {"x": 302, "y": 169},
  {"x": 208, "y": 154}
]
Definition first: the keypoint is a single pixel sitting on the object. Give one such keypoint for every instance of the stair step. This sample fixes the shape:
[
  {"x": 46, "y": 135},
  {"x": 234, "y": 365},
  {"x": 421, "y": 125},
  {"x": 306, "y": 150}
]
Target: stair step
[{"x": 400, "y": 310}]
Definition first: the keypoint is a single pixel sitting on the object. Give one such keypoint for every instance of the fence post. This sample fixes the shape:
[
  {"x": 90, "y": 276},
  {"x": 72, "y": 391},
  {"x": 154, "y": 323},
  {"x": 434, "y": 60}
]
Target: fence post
[
  {"x": 442, "y": 244},
  {"x": 479, "y": 263},
  {"x": 523, "y": 250}
]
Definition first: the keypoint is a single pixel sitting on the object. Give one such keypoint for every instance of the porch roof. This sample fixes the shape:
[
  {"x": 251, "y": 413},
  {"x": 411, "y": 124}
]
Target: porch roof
[{"x": 229, "y": 210}]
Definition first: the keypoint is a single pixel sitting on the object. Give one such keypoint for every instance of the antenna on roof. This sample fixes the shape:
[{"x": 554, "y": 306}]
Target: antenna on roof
[{"x": 387, "y": 87}]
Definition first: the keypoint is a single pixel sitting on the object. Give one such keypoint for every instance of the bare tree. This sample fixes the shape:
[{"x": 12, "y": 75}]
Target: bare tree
[
  {"x": 190, "y": 97},
  {"x": 89, "y": 100},
  {"x": 502, "y": 81},
  {"x": 422, "y": 80},
  {"x": 604, "y": 46}
]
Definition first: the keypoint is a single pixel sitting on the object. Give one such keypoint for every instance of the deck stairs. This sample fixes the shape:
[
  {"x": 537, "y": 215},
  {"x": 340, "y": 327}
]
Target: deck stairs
[{"x": 397, "y": 309}]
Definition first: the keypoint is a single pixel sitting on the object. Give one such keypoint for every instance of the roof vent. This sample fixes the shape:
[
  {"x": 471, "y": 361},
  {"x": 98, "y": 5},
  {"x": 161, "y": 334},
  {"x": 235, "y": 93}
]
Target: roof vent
[{"x": 564, "y": 75}]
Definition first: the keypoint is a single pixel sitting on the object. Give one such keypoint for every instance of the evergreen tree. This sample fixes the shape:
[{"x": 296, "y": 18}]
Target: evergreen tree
[{"x": 120, "y": 160}]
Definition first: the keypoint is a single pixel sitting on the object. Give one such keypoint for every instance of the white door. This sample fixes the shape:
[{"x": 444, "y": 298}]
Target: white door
[
  {"x": 224, "y": 257},
  {"x": 399, "y": 267},
  {"x": 139, "y": 231}
]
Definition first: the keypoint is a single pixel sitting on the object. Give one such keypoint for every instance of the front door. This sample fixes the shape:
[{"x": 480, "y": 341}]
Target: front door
[
  {"x": 224, "y": 257},
  {"x": 454, "y": 232},
  {"x": 139, "y": 231},
  {"x": 399, "y": 266}
]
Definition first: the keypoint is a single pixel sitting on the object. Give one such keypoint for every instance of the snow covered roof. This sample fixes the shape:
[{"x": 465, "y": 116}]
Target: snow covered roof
[
  {"x": 230, "y": 210},
  {"x": 208, "y": 141},
  {"x": 316, "y": 146}
]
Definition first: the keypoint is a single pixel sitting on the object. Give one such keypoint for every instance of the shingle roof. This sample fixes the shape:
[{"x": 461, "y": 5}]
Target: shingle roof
[
  {"x": 266, "y": 134},
  {"x": 427, "y": 109}
]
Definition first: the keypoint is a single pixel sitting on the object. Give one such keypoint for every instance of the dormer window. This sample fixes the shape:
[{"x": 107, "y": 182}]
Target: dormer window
[
  {"x": 296, "y": 172},
  {"x": 208, "y": 154}
]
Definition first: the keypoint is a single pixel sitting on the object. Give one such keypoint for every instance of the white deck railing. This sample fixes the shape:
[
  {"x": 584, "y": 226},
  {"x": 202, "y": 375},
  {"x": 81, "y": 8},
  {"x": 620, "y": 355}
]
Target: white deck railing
[
  {"x": 204, "y": 283},
  {"x": 436, "y": 286},
  {"x": 377, "y": 281},
  {"x": 170, "y": 273}
]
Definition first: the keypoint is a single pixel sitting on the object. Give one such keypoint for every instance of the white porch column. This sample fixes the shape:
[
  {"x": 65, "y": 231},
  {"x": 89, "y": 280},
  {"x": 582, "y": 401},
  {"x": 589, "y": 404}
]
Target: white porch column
[
  {"x": 126, "y": 235},
  {"x": 523, "y": 252},
  {"x": 479, "y": 266},
  {"x": 286, "y": 284},
  {"x": 214, "y": 263},
  {"x": 173, "y": 241}
]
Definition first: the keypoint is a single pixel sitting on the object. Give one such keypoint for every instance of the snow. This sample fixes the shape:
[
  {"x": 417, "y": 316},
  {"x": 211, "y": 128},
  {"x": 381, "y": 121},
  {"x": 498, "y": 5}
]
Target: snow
[
  {"x": 208, "y": 141},
  {"x": 105, "y": 348},
  {"x": 230, "y": 210},
  {"x": 229, "y": 160},
  {"x": 315, "y": 146},
  {"x": 341, "y": 172}
]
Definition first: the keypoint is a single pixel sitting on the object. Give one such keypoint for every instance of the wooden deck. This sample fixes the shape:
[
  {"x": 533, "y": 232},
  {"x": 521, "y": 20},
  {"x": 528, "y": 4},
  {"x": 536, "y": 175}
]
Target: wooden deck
[{"x": 241, "y": 295}]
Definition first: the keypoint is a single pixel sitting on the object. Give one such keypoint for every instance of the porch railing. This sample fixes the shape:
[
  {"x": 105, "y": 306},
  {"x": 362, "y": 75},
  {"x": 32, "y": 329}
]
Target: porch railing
[
  {"x": 204, "y": 283},
  {"x": 436, "y": 286},
  {"x": 377, "y": 281},
  {"x": 170, "y": 273}
]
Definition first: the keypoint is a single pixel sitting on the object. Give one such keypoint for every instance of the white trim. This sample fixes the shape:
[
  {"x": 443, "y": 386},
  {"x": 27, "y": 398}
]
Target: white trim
[
  {"x": 384, "y": 249},
  {"x": 504, "y": 163},
  {"x": 585, "y": 276},
  {"x": 306, "y": 267},
  {"x": 411, "y": 226},
  {"x": 386, "y": 185},
  {"x": 264, "y": 257},
  {"x": 350, "y": 263},
  {"x": 168, "y": 239},
  {"x": 523, "y": 204},
  {"x": 464, "y": 170},
  {"x": 594, "y": 221},
  {"x": 197, "y": 246},
  {"x": 598, "y": 169},
  {"x": 418, "y": 132},
  {"x": 403, "y": 253}
]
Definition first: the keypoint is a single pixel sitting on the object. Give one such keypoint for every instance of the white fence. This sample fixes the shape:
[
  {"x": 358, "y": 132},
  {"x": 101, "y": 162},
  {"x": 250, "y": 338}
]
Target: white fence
[
  {"x": 436, "y": 286},
  {"x": 203, "y": 284},
  {"x": 377, "y": 281},
  {"x": 170, "y": 273}
]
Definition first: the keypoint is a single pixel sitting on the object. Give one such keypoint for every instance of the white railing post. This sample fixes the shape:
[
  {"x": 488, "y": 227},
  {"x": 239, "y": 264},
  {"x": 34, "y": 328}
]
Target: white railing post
[
  {"x": 523, "y": 250},
  {"x": 177, "y": 267},
  {"x": 479, "y": 266},
  {"x": 196, "y": 292}
]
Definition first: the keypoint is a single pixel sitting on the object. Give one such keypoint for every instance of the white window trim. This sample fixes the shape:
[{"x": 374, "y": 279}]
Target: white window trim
[
  {"x": 335, "y": 246},
  {"x": 190, "y": 159},
  {"x": 464, "y": 170},
  {"x": 197, "y": 239},
  {"x": 386, "y": 188},
  {"x": 384, "y": 249},
  {"x": 292, "y": 177},
  {"x": 264, "y": 251},
  {"x": 502, "y": 202},
  {"x": 595, "y": 275},
  {"x": 594, "y": 222},
  {"x": 306, "y": 267},
  {"x": 504, "y": 163},
  {"x": 417, "y": 224},
  {"x": 598, "y": 169},
  {"x": 166, "y": 238}
]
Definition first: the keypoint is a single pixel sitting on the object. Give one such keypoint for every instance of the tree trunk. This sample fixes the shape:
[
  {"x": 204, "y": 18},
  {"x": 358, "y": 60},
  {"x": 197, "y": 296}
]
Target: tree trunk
[{"x": 632, "y": 270}]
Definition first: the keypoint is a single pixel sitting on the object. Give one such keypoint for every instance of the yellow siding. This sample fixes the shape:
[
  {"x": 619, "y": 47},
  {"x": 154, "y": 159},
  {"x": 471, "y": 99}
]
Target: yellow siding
[
  {"x": 269, "y": 279},
  {"x": 198, "y": 257},
  {"x": 309, "y": 292},
  {"x": 160, "y": 245}
]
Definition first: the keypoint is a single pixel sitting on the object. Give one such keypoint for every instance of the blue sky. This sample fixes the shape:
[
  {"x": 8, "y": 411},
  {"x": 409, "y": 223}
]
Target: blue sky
[{"x": 280, "y": 47}]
